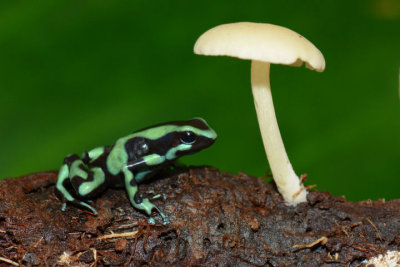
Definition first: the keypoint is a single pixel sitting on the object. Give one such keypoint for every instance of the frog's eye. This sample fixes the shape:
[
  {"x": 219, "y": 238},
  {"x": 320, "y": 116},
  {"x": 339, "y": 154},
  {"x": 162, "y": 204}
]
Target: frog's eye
[{"x": 188, "y": 137}]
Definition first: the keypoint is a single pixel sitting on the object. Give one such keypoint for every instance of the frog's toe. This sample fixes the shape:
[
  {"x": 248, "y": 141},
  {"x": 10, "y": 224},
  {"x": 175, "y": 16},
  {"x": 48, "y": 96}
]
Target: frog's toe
[
  {"x": 151, "y": 221},
  {"x": 166, "y": 221},
  {"x": 64, "y": 206},
  {"x": 156, "y": 196},
  {"x": 86, "y": 205},
  {"x": 93, "y": 210}
]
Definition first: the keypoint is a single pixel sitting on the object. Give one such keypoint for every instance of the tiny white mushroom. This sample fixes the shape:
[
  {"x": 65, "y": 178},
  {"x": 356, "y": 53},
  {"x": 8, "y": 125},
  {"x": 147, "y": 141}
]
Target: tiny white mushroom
[{"x": 264, "y": 44}]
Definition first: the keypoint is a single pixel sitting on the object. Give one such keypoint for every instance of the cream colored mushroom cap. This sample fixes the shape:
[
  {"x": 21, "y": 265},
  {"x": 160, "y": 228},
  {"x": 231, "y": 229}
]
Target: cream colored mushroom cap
[{"x": 260, "y": 41}]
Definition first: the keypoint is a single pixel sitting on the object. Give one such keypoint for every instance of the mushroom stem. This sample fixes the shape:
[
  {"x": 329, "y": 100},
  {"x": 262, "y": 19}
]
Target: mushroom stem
[{"x": 287, "y": 181}]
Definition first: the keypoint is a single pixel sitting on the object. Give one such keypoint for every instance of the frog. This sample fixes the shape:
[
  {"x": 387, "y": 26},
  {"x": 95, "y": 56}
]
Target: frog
[{"x": 130, "y": 161}]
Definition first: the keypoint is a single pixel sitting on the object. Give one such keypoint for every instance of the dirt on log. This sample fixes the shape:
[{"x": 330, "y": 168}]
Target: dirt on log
[{"x": 217, "y": 219}]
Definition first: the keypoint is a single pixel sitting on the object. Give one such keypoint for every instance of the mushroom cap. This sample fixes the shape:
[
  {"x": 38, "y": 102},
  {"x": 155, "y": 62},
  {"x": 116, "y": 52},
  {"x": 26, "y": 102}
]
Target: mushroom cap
[{"x": 262, "y": 42}]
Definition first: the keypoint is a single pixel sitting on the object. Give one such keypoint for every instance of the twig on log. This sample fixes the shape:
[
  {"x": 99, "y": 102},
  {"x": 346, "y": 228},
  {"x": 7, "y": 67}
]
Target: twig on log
[
  {"x": 376, "y": 228},
  {"x": 127, "y": 234},
  {"x": 9, "y": 261},
  {"x": 323, "y": 240}
]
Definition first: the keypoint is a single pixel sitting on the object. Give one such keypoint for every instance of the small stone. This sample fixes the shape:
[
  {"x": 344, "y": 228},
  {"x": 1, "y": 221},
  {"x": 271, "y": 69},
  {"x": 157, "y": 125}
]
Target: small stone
[{"x": 254, "y": 224}]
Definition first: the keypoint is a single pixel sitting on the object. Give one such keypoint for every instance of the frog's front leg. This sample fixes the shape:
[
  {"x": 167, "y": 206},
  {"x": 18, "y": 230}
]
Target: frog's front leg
[
  {"x": 141, "y": 204},
  {"x": 86, "y": 182}
]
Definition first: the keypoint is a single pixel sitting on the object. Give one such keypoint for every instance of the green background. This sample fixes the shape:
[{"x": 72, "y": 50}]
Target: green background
[{"x": 79, "y": 74}]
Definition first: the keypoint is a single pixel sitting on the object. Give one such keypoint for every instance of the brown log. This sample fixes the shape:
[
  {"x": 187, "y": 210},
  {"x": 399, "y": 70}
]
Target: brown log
[{"x": 217, "y": 219}]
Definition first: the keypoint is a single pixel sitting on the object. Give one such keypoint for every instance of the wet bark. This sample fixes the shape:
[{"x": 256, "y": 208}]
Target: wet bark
[{"x": 217, "y": 219}]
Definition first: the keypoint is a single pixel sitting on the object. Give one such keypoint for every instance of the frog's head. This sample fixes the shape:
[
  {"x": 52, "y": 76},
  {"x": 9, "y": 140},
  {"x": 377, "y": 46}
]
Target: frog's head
[
  {"x": 168, "y": 141},
  {"x": 193, "y": 135}
]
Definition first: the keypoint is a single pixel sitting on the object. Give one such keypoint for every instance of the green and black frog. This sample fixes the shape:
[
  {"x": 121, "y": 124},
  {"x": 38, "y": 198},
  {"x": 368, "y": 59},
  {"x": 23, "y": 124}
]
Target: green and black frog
[{"x": 130, "y": 161}]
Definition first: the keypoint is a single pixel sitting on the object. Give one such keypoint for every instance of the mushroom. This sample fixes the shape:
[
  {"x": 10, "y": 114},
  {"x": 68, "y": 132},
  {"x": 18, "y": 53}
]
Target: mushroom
[{"x": 264, "y": 44}]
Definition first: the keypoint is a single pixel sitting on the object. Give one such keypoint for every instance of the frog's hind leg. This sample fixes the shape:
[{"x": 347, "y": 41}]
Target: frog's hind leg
[
  {"x": 74, "y": 174},
  {"x": 61, "y": 190}
]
